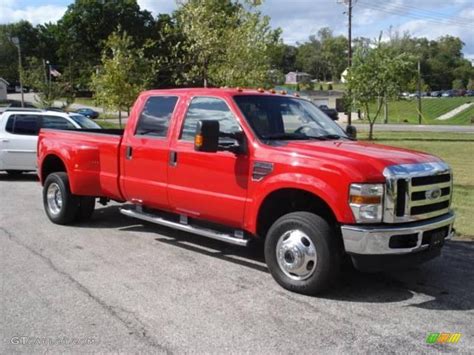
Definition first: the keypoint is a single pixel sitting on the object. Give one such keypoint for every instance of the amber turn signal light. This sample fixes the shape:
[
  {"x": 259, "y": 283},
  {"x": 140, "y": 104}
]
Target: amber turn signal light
[
  {"x": 198, "y": 140},
  {"x": 366, "y": 200}
]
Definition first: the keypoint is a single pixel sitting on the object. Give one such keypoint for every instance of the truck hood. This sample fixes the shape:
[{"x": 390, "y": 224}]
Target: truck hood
[{"x": 367, "y": 159}]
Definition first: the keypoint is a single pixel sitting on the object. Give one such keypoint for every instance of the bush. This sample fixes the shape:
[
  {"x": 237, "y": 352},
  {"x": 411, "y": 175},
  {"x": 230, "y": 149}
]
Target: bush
[
  {"x": 321, "y": 87},
  {"x": 458, "y": 84},
  {"x": 329, "y": 86},
  {"x": 470, "y": 84}
]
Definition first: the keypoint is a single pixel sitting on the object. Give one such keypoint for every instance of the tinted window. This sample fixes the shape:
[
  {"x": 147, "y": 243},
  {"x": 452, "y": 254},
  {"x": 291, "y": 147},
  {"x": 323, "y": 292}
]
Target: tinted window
[
  {"x": 287, "y": 117},
  {"x": 208, "y": 108},
  {"x": 56, "y": 122},
  {"x": 84, "y": 122},
  {"x": 26, "y": 124},
  {"x": 156, "y": 115},
  {"x": 9, "y": 126}
]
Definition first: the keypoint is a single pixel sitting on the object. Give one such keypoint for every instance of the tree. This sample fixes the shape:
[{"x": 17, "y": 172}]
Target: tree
[
  {"x": 310, "y": 60},
  {"x": 229, "y": 44},
  {"x": 123, "y": 74},
  {"x": 470, "y": 84},
  {"x": 376, "y": 74},
  {"x": 283, "y": 57},
  {"x": 28, "y": 37},
  {"x": 85, "y": 27},
  {"x": 334, "y": 52},
  {"x": 47, "y": 89},
  {"x": 458, "y": 84}
]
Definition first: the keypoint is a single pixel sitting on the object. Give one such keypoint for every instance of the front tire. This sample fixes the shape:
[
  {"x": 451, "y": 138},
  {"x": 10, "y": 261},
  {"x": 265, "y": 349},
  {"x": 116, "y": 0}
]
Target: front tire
[
  {"x": 60, "y": 204},
  {"x": 301, "y": 252}
]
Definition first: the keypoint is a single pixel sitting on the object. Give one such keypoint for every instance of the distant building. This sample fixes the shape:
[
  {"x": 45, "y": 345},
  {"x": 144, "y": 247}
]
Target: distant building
[
  {"x": 3, "y": 89},
  {"x": 294, "y": 77}
]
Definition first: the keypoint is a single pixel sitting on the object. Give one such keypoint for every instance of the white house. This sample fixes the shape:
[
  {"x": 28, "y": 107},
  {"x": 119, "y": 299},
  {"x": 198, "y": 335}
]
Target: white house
[
  {"x": 297, "y": 77},
  {"x": 3, "y": 89}
]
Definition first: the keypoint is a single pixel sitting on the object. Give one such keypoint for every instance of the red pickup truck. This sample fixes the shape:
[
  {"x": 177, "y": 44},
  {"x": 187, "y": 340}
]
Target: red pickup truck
[{"x": 239, "y": 165}]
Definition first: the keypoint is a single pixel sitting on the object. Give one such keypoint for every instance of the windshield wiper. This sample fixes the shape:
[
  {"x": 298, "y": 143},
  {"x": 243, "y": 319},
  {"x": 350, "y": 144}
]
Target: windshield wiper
[
  {"x": 326, "y": 137},
  {"x": 277, "y": 136}
]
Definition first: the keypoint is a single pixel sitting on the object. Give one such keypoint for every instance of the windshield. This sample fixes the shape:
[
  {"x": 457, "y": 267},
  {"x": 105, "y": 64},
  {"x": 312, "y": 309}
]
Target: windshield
[
  {"x": 284, "y": 117},
  {"x": 83, "y": 121}
]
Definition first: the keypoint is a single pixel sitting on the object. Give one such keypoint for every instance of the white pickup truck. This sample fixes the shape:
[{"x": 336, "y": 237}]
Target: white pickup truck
[{"x": 19, "y": 130}]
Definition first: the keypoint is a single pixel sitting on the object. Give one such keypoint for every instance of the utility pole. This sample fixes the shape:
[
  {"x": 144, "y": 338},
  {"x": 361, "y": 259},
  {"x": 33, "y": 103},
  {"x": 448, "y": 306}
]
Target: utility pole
[
  {"x": 419, "y": 92},
  {"x": 349, "y": 52},
  {"x": 16, "y": 42}
]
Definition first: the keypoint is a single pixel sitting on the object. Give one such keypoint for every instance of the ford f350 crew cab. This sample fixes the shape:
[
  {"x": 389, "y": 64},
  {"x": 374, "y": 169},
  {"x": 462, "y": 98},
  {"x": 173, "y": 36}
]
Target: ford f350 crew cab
[{"x": 238, "y": 165}]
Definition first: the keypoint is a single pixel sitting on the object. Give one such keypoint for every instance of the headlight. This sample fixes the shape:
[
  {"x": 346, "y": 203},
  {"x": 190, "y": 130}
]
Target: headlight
[{"x": 366, "y": 201}]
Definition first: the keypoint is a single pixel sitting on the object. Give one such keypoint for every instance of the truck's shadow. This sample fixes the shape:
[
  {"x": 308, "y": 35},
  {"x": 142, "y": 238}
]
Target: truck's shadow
[
  {"x": 446, "y": 283},
  {"x": 19, "y": 177}
]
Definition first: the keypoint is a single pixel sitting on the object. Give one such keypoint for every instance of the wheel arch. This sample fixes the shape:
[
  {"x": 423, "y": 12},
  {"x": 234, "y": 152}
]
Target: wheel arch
[
  {"x": 52, "y": 163},
  {"x": 286, "y": 200}
]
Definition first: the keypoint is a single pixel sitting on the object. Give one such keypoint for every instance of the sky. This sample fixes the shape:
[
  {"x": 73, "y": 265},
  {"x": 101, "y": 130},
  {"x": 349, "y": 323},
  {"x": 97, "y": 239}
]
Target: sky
[{"x": 301, "y": 18}]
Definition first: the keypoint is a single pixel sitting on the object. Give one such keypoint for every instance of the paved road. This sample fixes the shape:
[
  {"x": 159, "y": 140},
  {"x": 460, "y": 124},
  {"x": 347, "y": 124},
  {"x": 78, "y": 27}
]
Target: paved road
[{"x": 132, "y": 287}]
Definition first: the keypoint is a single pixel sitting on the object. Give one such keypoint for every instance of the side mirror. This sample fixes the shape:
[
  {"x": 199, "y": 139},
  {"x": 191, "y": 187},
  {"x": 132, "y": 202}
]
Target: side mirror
[
  {"x": 351, "y": 131},
  {"x": 207, "y": 136}
]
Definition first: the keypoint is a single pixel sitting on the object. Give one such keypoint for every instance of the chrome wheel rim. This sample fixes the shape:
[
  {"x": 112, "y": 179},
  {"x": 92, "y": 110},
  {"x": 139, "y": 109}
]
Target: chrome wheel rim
[
  {"x": 296, "y": 255},
  {"x": 54, "y": 198}
]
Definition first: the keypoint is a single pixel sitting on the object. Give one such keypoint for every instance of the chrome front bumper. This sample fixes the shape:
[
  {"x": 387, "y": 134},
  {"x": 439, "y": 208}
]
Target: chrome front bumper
[{"x": 375, "y": 240}]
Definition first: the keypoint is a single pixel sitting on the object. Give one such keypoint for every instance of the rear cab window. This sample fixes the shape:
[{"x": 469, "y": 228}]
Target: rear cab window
[
  {"x": 155, "y": 118},
  {"x": 23, "y": 124}
]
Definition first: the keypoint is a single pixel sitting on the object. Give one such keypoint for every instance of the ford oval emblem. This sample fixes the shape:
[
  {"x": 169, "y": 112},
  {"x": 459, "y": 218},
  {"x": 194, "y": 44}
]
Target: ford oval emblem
[{"x": 433, "y": 194}]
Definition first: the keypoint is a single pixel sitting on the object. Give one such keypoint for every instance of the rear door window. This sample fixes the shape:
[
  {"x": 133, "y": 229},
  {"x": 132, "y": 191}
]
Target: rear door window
[
  {"x": 26, "y": 125},
  {"x": 156, "y": 116},
  {"x": 10, "y": 123}
]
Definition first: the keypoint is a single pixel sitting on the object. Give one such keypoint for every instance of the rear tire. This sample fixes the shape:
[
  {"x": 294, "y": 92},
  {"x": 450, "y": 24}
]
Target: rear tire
[
  {"x": 302, "y": 253},
  {"x": 60, "y": 204}
]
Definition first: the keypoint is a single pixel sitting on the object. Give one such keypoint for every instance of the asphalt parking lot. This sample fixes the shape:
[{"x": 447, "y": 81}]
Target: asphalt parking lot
[{"x": 118, "y": 285}]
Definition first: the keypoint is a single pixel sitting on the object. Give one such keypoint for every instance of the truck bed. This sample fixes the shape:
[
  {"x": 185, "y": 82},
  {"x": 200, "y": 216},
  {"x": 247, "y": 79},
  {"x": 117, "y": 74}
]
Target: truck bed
[{"x": 91, "y": 158}]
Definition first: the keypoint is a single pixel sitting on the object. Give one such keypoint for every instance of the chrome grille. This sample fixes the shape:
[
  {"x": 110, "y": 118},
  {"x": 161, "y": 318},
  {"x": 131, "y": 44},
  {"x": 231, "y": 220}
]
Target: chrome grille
[{"x": 417, "y": 191}]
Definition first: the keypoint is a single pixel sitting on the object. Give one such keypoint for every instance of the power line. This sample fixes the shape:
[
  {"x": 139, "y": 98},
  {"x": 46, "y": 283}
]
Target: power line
[
  {"x": 401, "y": 12},
  {"x": 398, "y": 12},
  {"x": 419, "y": 10}
]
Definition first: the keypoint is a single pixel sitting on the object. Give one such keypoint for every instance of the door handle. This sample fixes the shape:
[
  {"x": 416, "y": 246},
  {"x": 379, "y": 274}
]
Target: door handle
[
  {"x": 5, "y": 140},
  {"x": 173, "y": 160},
  {"x": 128, "y": 153}
]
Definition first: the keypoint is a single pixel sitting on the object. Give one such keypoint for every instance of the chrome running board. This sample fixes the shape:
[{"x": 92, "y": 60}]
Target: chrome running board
[{"x": 238, "y": 239}]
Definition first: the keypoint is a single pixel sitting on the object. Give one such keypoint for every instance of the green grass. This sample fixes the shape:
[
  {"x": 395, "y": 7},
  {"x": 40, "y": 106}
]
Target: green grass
[
  {"x": 87, "y": 101},
  {"x": 406, "y": 111},
  {"x": 337, "y": 86},
  {"x": 107, "y": 124},
  {"x": 457, "y": 149},
  {"x": 464, "y": 117}
]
